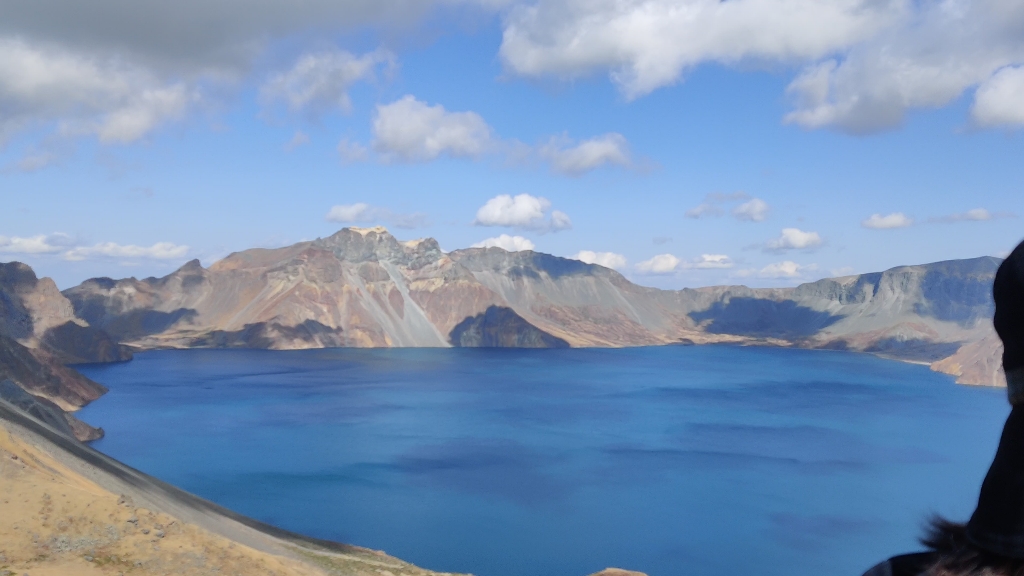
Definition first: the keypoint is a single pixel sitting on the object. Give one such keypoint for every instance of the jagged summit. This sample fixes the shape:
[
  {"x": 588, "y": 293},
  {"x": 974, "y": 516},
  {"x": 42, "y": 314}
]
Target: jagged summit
[
  {"x": 377, "y": 244},
  {"x": 364, "y": 287}
]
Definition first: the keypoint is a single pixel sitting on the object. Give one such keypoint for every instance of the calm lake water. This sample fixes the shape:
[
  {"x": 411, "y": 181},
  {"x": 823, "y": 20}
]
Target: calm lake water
[{"x": 673, "y": 461}]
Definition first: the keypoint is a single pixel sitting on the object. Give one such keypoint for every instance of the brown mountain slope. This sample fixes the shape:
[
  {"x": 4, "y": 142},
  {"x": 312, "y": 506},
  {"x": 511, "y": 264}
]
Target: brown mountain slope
[
  {"x": 39, "y": 334},
  {"x": 363, "y": 287},
  {"x": 71, "y": 511}
]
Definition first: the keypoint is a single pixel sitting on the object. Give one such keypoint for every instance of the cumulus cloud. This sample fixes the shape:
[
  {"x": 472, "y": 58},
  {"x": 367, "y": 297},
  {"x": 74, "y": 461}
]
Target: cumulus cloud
[
  {"x": 894, "y": 220},
  {"x": 606, "y": 259},
  {"x": 361, "y": 213},
  {"x": 754, "y": 210},
  {"x": 660, "y": 264},
  {"x": 69, "y": 248},
  {"x": 319, "y": 82},
  {"x": 158, "y": 251},
  {"x": 647, "y": 44},
  {"x": 506, "y": 242},
  {"x": 522, "y": 211},
  {"x": 199, "y": 34},
  {"x": 1000, "y": 100},
  {"x": 349, "y": 213},
  {"x": 933, "y": 54},
  {"x": 409, "y": 130},
  {"x": 574, "y": 158},
  {"x": 786, "y": 269},
  {"x": 750, "y": 210},
  {"x": 709, "y": 262},
  {"x": 40, "y": 244},
  {"x": 866, "y": 62},
  {"x": 109, "y": 98},
  {"x": 794, "y": 239},
  {"x": 121, "y": 69}
]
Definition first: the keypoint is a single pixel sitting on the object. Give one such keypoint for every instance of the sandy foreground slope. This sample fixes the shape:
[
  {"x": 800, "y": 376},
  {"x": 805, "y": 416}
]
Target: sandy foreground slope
[{"x": 67, "y": 510}]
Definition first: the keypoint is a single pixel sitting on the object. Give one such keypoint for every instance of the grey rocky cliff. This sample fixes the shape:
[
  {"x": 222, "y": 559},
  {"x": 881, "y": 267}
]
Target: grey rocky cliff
[
  {"x": 363, "y": 287},
  {"x": 39, "y": 335}
]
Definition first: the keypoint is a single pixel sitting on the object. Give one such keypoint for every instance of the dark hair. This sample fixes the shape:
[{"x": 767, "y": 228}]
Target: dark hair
[{"x": 957, "y": 556}]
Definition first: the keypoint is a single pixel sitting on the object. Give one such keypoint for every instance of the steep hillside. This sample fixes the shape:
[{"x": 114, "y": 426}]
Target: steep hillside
[
  {"x": 39, "y": 335},
  {"x": 363, "y": 287},
  {"x": 68, "y": 509}
]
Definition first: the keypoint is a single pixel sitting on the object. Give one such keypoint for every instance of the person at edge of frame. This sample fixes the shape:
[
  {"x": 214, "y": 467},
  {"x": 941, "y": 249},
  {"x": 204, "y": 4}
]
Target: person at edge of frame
[{"x": 991, "y": 543}]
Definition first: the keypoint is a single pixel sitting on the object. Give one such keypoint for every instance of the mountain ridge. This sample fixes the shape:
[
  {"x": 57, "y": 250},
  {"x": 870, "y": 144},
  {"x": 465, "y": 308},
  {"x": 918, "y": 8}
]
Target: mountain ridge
[{"x": 364, "y": 287}]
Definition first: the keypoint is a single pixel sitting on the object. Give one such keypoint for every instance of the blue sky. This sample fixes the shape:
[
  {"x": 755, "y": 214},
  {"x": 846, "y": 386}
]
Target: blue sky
[{"x": 769, "y": 143}]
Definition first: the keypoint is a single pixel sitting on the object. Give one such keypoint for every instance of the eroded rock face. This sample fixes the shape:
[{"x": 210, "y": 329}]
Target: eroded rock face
[
  {"x": 43, "y": 375},
  {"x": 363, "y": 287},
  {"x": 37, "y": 315},
  {"x": 47, "y": 412},
  {"x": 39, "y": 335},
  {"x": 501, "y": 327}
]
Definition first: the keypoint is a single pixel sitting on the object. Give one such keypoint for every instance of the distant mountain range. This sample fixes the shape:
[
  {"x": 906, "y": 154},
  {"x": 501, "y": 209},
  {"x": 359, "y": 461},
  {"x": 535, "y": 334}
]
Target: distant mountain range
[{"x": 363, "y": 287}]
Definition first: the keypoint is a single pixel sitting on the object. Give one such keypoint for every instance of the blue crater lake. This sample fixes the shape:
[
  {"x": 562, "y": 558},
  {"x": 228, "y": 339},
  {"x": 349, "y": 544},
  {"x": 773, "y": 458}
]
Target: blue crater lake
[{"x": 673, "y": 461}]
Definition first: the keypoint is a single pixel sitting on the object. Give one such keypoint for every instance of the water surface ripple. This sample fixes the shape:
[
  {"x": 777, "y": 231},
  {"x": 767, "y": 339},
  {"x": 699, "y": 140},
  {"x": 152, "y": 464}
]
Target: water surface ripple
[{"x": 673, "y": 461}]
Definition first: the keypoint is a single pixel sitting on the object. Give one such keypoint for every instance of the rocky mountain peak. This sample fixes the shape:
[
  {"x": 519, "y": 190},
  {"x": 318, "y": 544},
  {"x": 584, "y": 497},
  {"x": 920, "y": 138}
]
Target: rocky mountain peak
[
  {"x": 377, "y": 244},
  {"x": 17, "y": 275},
  {"x": 191, "y": 266}
]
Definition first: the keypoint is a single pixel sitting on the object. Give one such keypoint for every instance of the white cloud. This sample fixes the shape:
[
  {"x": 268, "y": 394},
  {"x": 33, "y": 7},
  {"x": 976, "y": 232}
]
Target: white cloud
[
  {"x": 409, "y": 130},
  {"x": 704, "y": 209},
  {"x": 787, "y": 269},
  {"x": 647, "y": 44},
  {"x": 794, "y": 239},
  {"x": 894, "y": 220},
  {"x": 40, "y": 244},
  {"x": 521, "y": 211},
  {"x": 999, "y": 101},
  {"x": 933, "y": 54},
  {"x": 319, "y": 82},
  {"x": 754, "y": 210},
  {"x": 974, "y": 215},
  {"x": 660, "y": 264},
  {"x": 506, "y": 242},
  {"x": 350, "y": 213},
  {"x": 867, "y": 62},
  {"x": 361, "y": 212},
  {"x": 709, "y": 262},
  {"x": 606, "y": 259},
  {"x": 572, "y": 158},
  {"x": 158, "y": 251},
  {"x": 109, "y": 98}
]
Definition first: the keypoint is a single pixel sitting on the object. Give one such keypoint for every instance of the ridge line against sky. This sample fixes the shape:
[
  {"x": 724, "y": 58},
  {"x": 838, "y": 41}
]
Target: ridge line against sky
[{"x": 682, "y": 142}]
